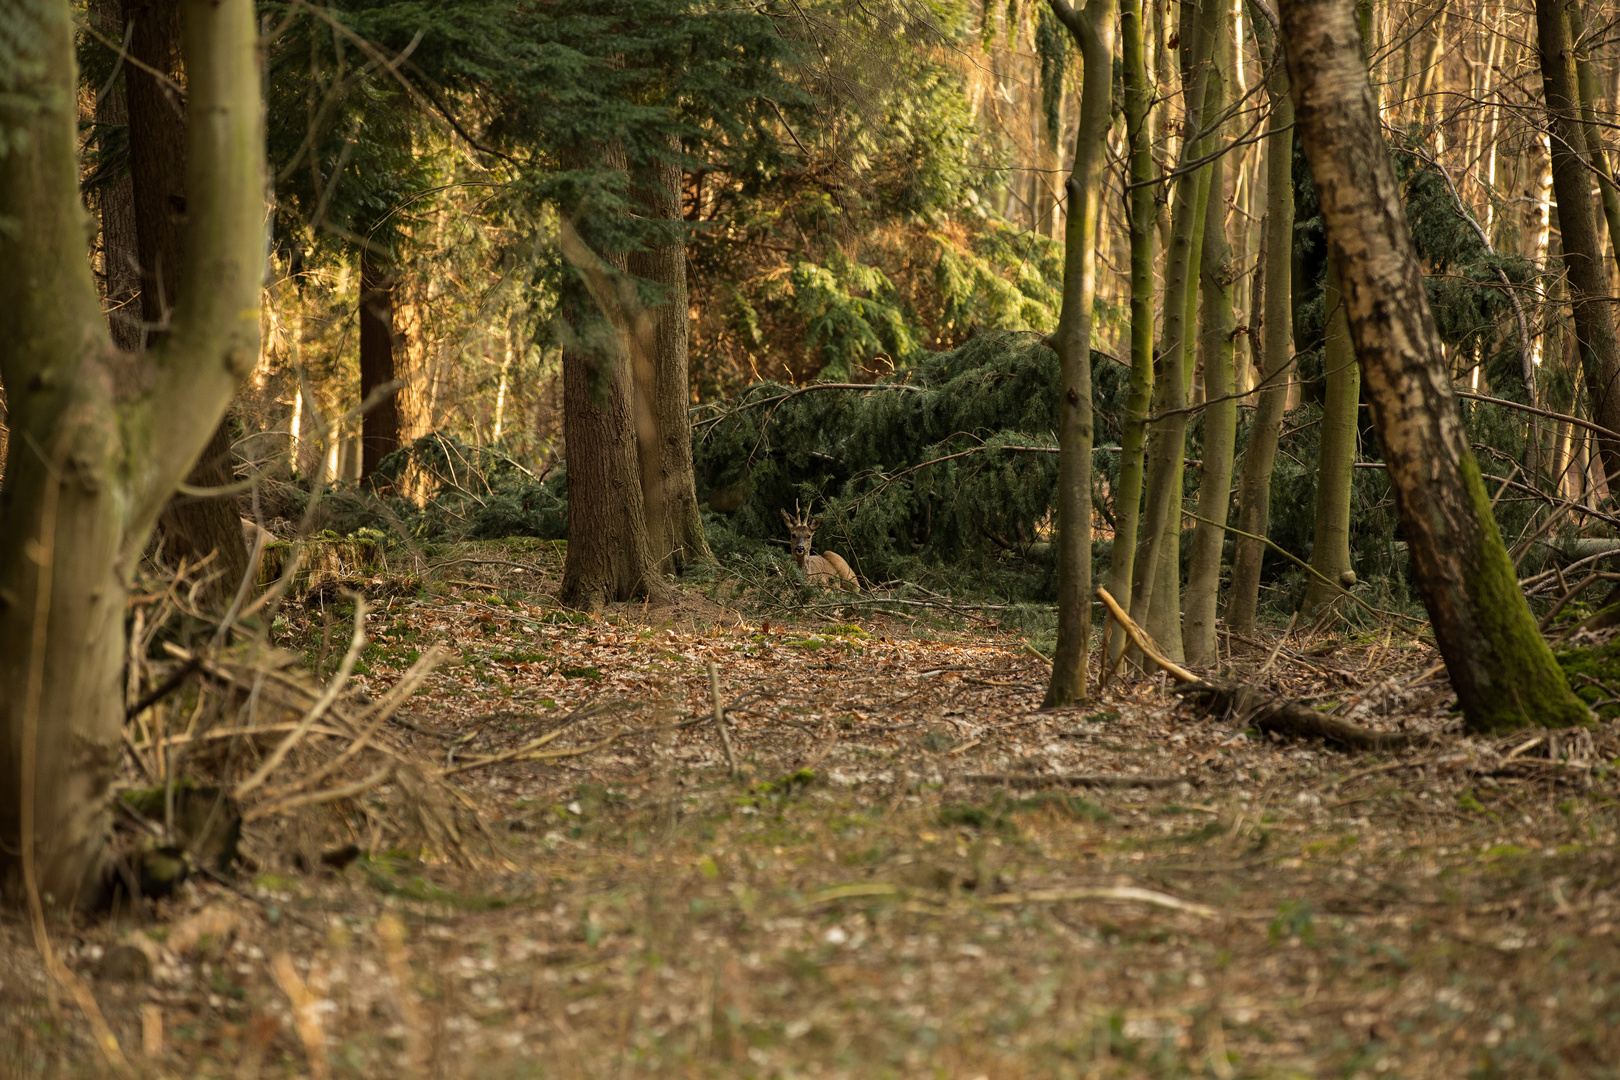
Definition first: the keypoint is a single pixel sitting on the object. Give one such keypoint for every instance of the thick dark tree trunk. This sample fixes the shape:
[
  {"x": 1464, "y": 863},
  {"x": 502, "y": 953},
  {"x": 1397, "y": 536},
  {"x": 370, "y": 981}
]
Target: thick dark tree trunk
[
  {"x": 379, "y": 428},
  {"x": 667, "y": 479},
  {"x": 1500, "y": 666},
  {"x": 610, "y": 557},
  {"x": 120, "y": 248},
  {"x": 191, "y": 527},
  {"x": 1577, "y": 224}
]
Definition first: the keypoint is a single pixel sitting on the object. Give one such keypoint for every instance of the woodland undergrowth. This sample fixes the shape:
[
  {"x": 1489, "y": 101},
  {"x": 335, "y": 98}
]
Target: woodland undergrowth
[{"x": 515, "y": 843}]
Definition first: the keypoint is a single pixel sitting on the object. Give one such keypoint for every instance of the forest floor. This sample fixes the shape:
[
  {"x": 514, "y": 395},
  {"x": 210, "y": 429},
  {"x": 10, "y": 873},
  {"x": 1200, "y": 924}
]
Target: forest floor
[{"x": 911, "y": 871}]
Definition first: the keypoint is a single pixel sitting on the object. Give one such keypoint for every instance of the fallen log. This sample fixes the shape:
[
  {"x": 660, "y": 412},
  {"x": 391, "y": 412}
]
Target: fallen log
[
  {"x": 1256, "y": 708},
  {"x": 1252, "y": 707}
]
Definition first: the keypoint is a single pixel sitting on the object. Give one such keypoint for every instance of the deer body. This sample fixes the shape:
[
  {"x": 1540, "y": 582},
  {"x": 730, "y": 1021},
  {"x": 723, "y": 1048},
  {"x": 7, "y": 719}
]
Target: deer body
[{"x": 828, "y": 568}]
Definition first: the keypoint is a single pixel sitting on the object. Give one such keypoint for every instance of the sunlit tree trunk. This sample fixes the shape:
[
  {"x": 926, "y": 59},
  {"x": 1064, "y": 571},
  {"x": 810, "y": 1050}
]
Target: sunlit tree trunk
[
  {"x": 1093, "y": 31},
  {"x": 1583, "y": 261},
  {"x": 1500, "y": 666},
  {"x": 102, "y": 437},
  {"x": 1142, "y": 213},
  {"x": 191, "y": 526},
  {"x": 1275, "y": 329},
  {"x": 667, "y": 480},
  {"x": 1220, "y": 409},
  {"x": 1336, "y": 451}
]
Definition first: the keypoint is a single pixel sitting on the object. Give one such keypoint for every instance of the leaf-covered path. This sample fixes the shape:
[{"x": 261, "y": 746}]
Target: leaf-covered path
[{"x": 914, "y": 873}]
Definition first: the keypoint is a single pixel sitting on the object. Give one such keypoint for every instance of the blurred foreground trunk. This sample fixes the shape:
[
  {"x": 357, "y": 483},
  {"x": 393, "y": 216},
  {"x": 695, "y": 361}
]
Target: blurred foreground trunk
[
  {"x": 191, "y": 527},
  {"x": 102, "y": 437}
]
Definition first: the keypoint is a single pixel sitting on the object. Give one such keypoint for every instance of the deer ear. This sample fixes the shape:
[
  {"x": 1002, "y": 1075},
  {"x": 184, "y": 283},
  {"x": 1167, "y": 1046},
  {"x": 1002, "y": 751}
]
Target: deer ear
[
  {"x": 786, "y": 519},
  {"x": 814, "y": 525}
]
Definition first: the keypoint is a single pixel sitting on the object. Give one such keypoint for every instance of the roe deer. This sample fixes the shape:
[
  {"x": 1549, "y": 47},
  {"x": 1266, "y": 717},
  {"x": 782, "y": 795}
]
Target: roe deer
[{"x": 824, "y": 569}]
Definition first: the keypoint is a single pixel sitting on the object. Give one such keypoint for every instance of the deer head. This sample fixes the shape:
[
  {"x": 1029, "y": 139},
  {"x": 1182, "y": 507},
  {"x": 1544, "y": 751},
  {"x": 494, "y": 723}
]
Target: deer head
[{"x": 800, "y": 531}]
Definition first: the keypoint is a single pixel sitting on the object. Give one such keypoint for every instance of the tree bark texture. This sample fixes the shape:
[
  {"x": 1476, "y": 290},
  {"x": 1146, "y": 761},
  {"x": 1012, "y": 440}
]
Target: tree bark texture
[
  {"x": 379, "y": 428},
  {"x": 1143, "y": 214},
  {"x": 120, "y": 249},
  {"x": 1220, "y": 411},
  {"x": 1276, "y": 333},
  {"x": 191, "y": 527},
  {"x": 1586, "y": 82},
  {"x": 1583, "y": 254},
  {"x": 667, "y": 478},
  {"x": 103, "y": 436},
  {"x": 1500, "y": 666},
  {"x": 1336, "y": 451},
  {"x": 1093, "y": 31},
  {"x": 610, "y": 557}
]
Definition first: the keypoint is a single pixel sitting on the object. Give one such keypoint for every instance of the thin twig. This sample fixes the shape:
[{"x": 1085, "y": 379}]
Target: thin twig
[
  {"x": 720, "y": 720},
  {"x": 312, "y": 798}
]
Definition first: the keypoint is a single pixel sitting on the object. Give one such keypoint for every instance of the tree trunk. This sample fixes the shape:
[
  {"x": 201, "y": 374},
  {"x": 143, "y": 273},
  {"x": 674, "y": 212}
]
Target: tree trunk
[
  {"x": 667, "y": 478},
  {"x": 120, "y": 248},
  {"x": 1500, "y": 666},
  {"x": 1275, "y": 329},
  {"x": 1220, "y": 416},
  {"x": 610, "y": 557},
  {"x": 379, "y": 428},
  {"x": 1143, "y": 210},
  {"x": 191, "y": 526},
  {"x": 1336, "y": 452},
  {"x": 1093, "y": 32},
  {"x": 104, "y": 437},
  {"x": 1583, "y": 258},
  {"x": 1587, "y": 84},
  {"x": 1153, "y": 605}
]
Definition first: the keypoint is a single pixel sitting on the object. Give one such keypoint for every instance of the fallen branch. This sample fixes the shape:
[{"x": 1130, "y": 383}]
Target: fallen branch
[
  {"x": 720, "y": 720},
  {"x": 313, "y": 798},
  {"x": 1105, "y": 892},
  {"x": 1038, "y": 780},
  {"x": 1266, "y": 712},
  {"x": 1145, "y": 644},
  {"x": 526, "y": 753}
]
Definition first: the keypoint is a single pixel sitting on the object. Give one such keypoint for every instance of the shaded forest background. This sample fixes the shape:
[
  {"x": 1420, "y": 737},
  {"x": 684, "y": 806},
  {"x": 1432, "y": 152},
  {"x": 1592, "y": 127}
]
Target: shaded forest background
[{"x": 871, "y": 195}]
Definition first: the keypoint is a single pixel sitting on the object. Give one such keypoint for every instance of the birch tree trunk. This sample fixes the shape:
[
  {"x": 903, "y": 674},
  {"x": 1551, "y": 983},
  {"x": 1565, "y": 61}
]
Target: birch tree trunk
[
  {"x": 103, "y": 437},
  {"x": 1093, "y": 30},
  {"x": 1500, "y": 666}
]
